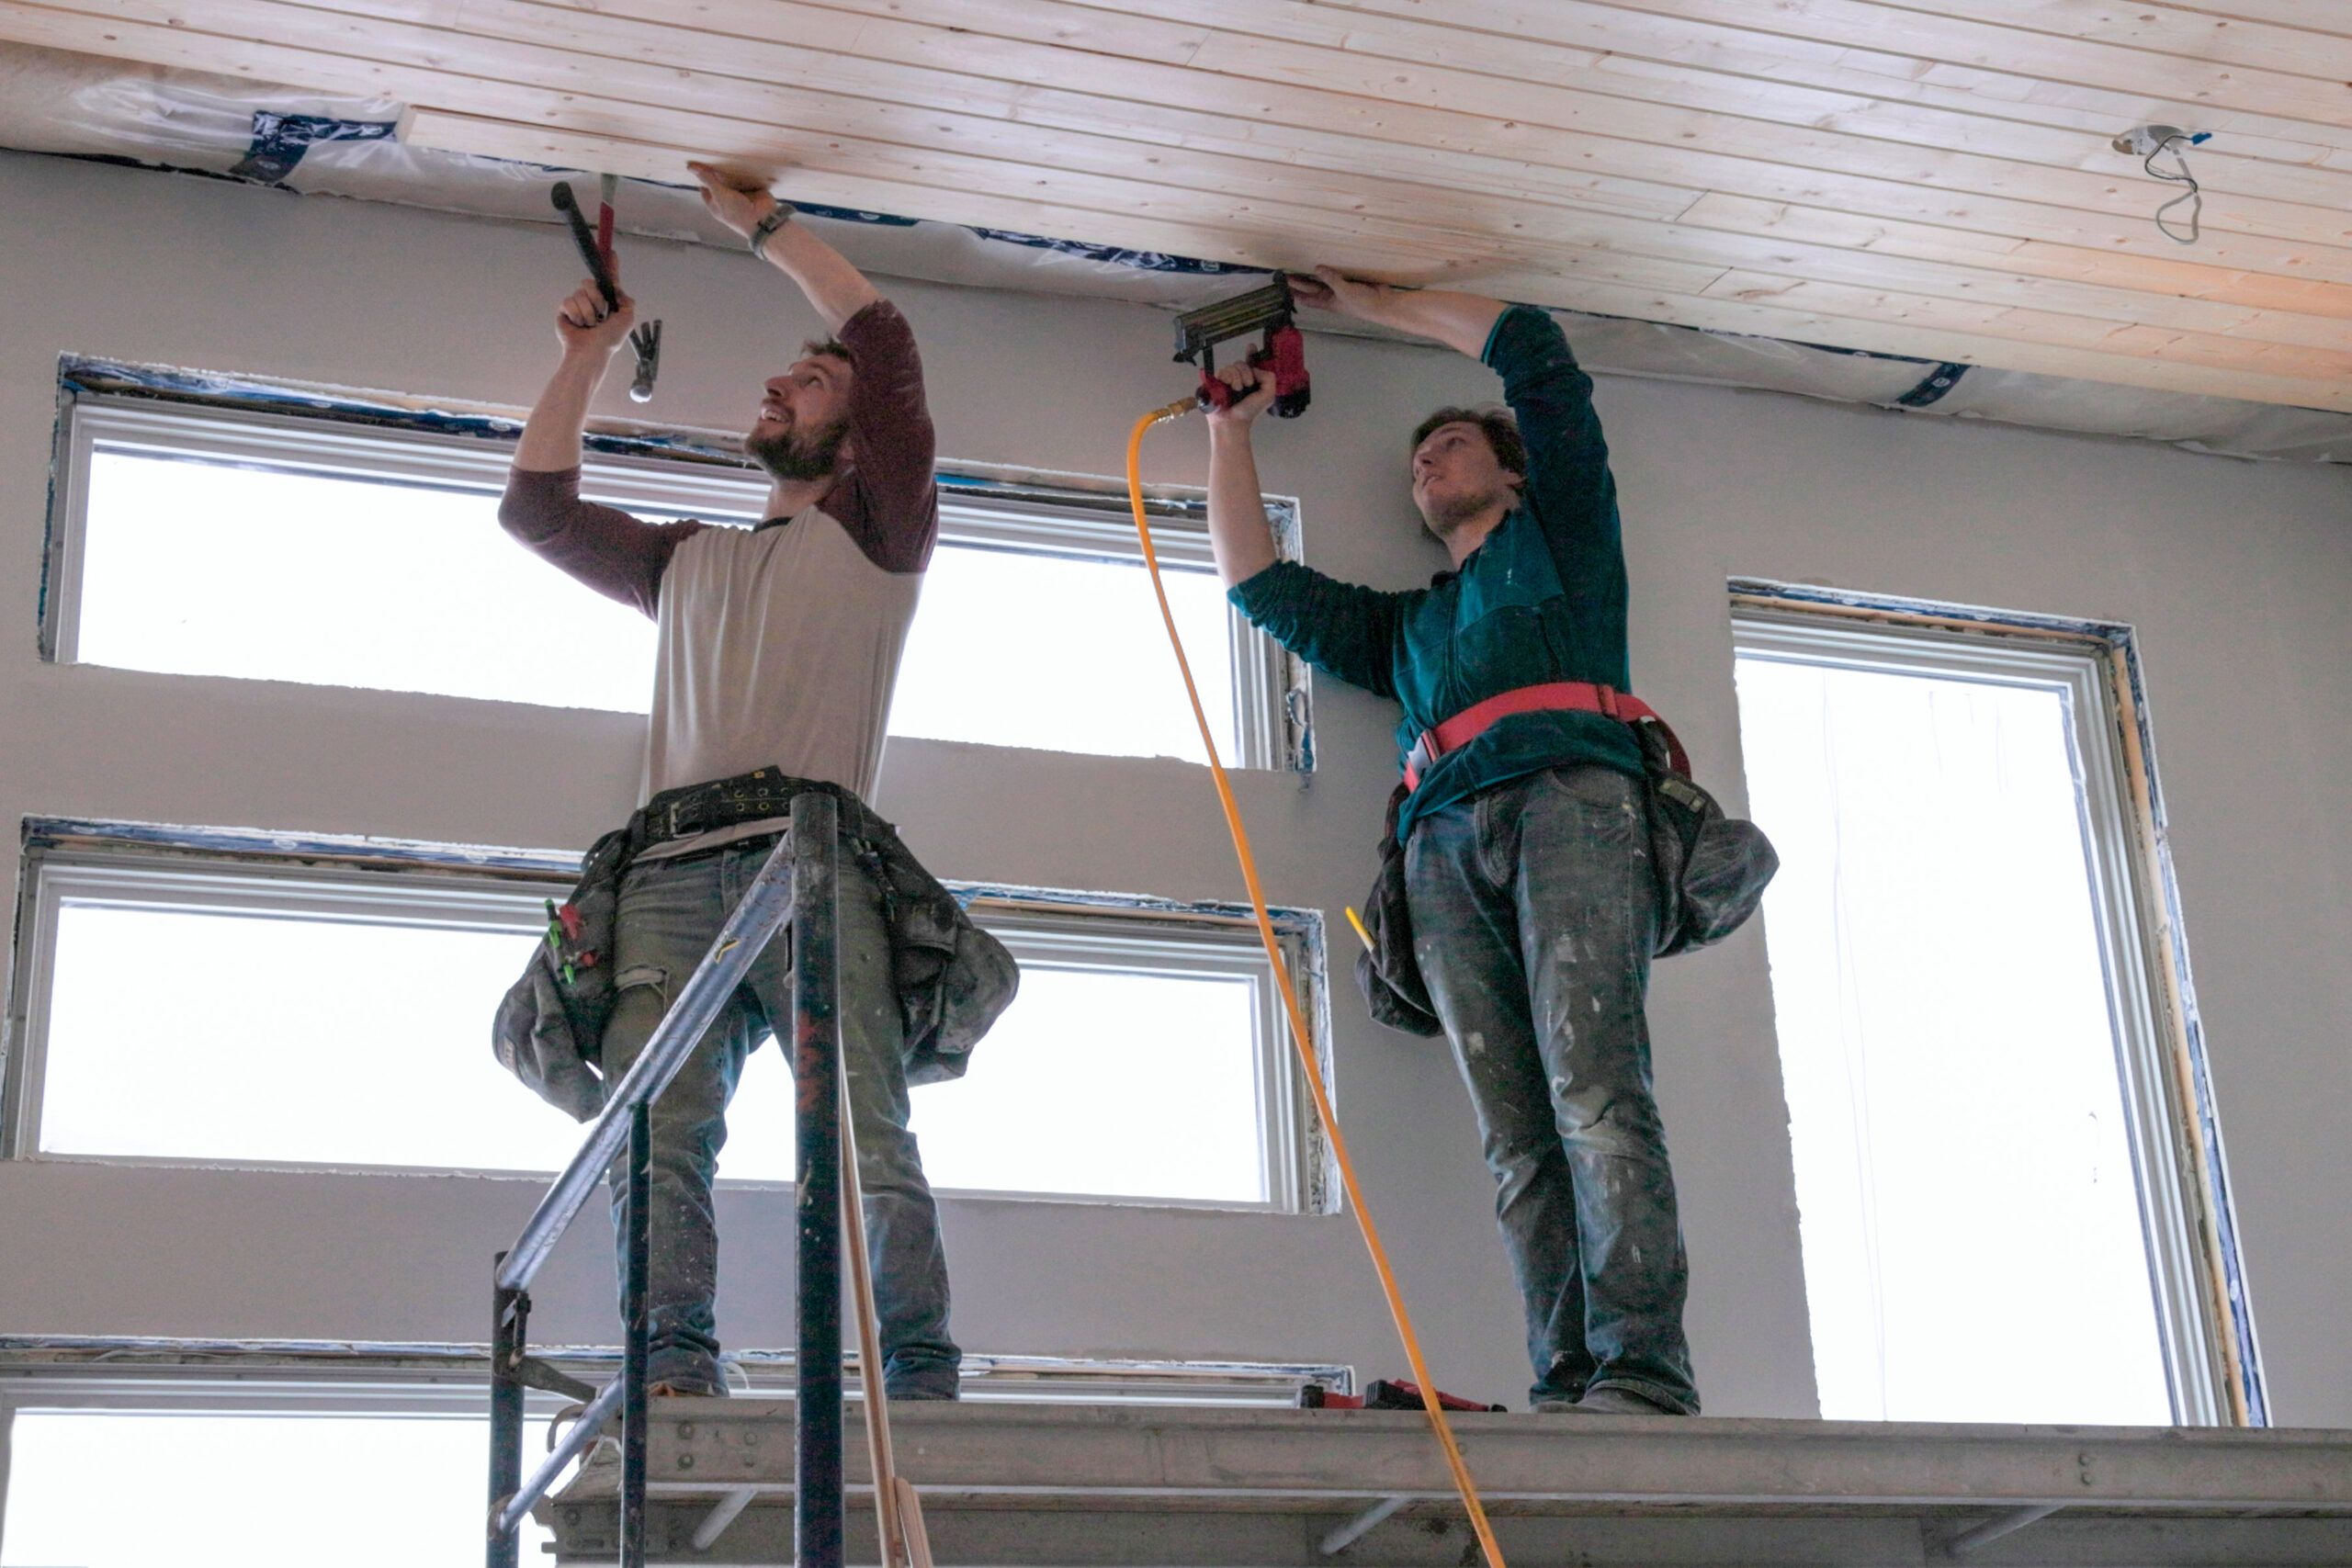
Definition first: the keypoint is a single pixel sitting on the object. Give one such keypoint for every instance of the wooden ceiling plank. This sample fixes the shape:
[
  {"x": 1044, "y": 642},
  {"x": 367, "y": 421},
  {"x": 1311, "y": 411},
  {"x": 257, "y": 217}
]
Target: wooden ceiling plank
[
  {"x": 1803, "y": 128},
  {"x": 2153, "y": 276},
  {"x": 1465, "y": 44},
  {"x": 775, "y": 57},
  {"x": 2125, "y": 193},
  {"x": 1432, "y": 219},
  {"x": 1862, "y": 27},
  {"x": 1934, "y": 196},
  {"x": 2035, "y": 326},
  {"x": 1411, "y": 242},
  {"x": 1336, "y": 90},
  {"x": 2311, "y": 16},
  {"x": 2161, "y": 29},
  {"x": 2251, "y": 134},
  {"x": 1565, "y": 292},
  {"x": 1629, "y": 35},
  {"x": 562, "y": 73}
]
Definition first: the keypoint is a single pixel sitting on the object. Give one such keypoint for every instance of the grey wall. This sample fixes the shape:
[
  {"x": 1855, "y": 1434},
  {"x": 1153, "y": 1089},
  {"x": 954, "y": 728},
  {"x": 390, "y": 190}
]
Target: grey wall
[{"x": 2235, "y": 575}]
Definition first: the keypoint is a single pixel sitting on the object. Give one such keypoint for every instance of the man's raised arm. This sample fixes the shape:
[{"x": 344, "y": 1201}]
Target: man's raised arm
[
  {"x": 835, "y": 289},
  {"x": 612, "y": 552},
  {"x": 1341, "y": 628},
  {"x": 1548, "y": 392},
  {"x": 887, "y": 498},
  {"x": 1459, "y": 322}
]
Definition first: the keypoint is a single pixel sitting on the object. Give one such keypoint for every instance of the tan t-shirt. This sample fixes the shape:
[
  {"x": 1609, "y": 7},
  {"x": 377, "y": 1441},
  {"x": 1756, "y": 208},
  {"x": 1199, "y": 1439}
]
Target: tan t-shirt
[{"x": 779, "y": 645}]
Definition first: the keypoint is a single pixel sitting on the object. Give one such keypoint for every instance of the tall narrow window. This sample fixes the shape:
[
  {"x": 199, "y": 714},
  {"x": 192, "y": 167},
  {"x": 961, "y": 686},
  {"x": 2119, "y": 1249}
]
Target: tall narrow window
[{"x": 1998, "y": 1220}]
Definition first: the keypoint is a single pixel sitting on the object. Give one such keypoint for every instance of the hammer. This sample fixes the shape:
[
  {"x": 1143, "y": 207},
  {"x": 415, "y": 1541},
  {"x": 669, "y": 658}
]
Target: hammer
[{"x": 645, "y": 340}]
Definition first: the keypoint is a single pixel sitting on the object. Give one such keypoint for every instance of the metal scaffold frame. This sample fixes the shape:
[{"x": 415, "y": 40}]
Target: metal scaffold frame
[{"x": 795, "y": 887}]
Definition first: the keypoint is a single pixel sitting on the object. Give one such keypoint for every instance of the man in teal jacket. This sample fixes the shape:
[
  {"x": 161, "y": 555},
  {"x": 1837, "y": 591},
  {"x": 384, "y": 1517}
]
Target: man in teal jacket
[{"x": 1528, "y": 871}]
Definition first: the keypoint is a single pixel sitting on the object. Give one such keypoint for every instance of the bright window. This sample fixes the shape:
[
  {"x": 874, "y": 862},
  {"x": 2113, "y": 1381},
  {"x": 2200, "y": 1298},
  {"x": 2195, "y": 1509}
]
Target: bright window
[
  {"x": 1113, "y": 1015},
  {"x": 217, "y": 1489},
  {"x": 216, "y": 1010},
  {"x": 1986, "y": 1180},
  {"x": 200, "y": 569},
  {"x": 196, "y": 540},
  {"x": 990, "y": 658}
]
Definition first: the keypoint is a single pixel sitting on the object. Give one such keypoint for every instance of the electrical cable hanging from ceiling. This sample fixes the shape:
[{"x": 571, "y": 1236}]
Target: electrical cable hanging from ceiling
[
  {"x": 2194, "y": 195},
  {"x": 2149, "y": 142}
]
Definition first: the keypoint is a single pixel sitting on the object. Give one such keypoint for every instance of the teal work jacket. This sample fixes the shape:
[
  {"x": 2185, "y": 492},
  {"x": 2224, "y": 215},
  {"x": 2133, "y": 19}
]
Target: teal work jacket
[{"x": 1542, "y": 599}]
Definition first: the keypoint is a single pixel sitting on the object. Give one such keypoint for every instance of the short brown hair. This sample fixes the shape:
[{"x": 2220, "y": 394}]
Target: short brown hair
[{"x": 1499, "y": 426}]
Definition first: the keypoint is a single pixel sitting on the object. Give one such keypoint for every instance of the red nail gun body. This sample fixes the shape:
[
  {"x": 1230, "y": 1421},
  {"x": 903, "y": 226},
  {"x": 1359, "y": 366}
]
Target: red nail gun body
[
  {"x": 1384, "y": 1393},
  {"x": 1283, "y": 351}
]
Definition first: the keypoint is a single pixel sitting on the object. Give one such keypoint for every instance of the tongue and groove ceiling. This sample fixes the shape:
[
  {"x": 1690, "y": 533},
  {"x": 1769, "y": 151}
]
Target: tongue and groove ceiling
[{"x": 1930, "y": 179}]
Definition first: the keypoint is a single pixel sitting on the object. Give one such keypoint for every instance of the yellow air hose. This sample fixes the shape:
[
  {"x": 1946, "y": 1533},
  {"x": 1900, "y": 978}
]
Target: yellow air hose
[{"x": 1300, "y": 1038}]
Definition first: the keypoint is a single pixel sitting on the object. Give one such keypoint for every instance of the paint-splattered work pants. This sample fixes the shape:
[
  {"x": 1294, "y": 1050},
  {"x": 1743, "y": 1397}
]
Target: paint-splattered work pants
[
  {"x": 1534, "y": 913},
  {"x": 670, "y": 912}
]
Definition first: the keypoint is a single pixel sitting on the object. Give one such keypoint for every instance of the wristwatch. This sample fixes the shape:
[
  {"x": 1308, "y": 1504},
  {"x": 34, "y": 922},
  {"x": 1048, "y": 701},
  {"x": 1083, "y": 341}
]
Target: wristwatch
[{"x": 766, "y": 226}]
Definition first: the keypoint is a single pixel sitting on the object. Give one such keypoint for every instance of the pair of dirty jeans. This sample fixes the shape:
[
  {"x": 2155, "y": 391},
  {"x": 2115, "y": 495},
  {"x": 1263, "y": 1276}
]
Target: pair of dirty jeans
[
  {"x": 670, "y": 912},
  {"x": 1535, "y": 909}
]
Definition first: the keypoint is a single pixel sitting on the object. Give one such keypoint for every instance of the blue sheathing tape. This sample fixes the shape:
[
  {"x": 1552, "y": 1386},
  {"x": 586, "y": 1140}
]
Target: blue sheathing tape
[
  {"x": 280, "y": 139},
  {"x": 1120, "y": 255},
  {"x": 1930, "y": 392},
  {"x": 847, "y": 214},
  {"x": 2122, "y": 639},
  {"x": 76, "y": 373}
]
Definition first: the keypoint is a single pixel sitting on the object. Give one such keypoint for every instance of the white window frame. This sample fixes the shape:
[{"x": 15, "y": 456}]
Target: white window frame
[
  {"x": 980, "y": 508},
  {"x": 1067, "y": 931},
  {"x": 1290, "y": 1139},
  {"x": 2195, "y": 1330}
]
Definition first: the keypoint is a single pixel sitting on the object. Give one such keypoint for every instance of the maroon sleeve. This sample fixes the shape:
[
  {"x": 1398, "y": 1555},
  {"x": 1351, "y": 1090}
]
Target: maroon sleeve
[
  {"x": 618, "y": 556},
  {"x": 889, "y": 500}
]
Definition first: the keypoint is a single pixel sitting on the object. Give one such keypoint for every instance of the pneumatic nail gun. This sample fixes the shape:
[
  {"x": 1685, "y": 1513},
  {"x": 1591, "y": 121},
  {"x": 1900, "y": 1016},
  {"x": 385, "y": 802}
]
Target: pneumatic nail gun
[{"x": 1282, "y": 352}]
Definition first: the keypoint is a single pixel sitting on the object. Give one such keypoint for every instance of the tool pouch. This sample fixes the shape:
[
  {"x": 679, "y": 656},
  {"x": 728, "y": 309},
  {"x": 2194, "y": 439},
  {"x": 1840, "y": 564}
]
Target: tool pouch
[
  {"x": 1712, "y": 869},
  {"x": 549, "y": 1028},
  {"x": 1388, "y": 974}
]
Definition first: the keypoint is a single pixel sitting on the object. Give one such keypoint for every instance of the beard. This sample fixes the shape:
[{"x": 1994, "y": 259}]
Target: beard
[
  {"x": 793, "y": 455},
  {"x": 1444, "y": 513}
]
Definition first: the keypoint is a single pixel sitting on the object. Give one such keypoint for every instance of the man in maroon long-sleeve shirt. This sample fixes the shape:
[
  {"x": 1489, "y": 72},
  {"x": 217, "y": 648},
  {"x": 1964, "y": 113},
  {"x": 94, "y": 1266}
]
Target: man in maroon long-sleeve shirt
[{"x": 779, "y": 646}]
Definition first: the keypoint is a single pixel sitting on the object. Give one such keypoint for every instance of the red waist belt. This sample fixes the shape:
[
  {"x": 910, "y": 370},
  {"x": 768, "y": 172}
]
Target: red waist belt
[{"x": 1578, "y": 697}]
